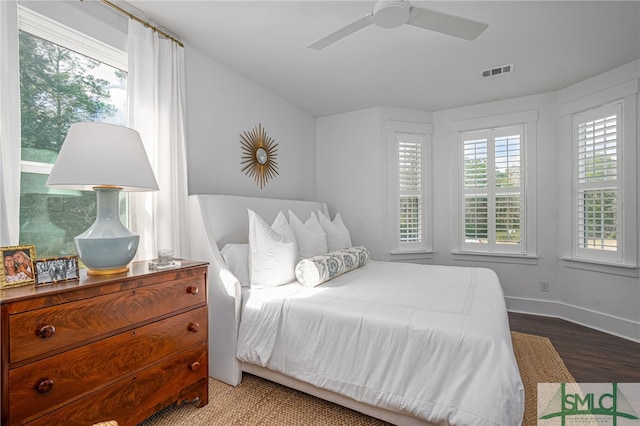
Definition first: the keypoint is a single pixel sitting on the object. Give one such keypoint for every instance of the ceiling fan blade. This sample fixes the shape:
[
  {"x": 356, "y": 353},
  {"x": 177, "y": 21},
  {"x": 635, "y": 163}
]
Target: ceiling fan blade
[
  {"x": 445, "y": 23},
  {"x": 341, "y": 33}
]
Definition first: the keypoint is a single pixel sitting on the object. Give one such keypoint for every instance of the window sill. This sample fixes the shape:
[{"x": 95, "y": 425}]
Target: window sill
[
  {"x": 400, "y": 256},
  {"x": 495, "y": 257},
  {"x": 600, "y": 266}
]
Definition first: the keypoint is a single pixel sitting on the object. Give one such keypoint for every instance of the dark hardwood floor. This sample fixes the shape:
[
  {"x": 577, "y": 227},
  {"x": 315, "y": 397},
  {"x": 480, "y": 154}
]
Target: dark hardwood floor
[{"x": 591, "y": 356}]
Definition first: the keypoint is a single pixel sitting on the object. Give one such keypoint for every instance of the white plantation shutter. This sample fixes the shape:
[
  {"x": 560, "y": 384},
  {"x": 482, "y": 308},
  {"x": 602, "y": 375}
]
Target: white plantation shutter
[
  {"x": 508, "y": 213},
  {"x": 410, "y": 188},
  {"x": 508, "y": 200},
  {"x": 598, "y": 148},
  {"x": 476, "y": 216},
  {"x": 475, "y": 158},
  {"x": 476, "y": 179},
  {"x": 492, "y": 190},
  {"x": 409, "y": 231},
  {"x": 507, "y": 161},
  {"x": 597, "y": 226}
]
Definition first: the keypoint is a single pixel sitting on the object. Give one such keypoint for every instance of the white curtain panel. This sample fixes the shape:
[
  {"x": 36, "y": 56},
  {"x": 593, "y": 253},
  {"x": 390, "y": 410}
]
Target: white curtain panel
[
  {"x": 9, "y": 125},
  {"x": 156, "y": 85}
]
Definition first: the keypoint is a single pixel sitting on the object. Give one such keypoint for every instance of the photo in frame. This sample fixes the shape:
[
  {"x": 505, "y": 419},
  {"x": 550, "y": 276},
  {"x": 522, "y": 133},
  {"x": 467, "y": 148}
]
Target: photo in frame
[
  {"x": 17, "y": 268},
  {"x": 55, "y": 269}
]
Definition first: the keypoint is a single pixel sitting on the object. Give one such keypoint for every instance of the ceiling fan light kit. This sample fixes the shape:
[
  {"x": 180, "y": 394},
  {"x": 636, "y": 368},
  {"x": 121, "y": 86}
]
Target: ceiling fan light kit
[{"x": 394, "y": 13}]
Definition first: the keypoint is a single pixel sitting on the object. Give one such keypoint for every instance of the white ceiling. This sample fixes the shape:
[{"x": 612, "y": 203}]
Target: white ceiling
[{"x": 552, "y": 43}]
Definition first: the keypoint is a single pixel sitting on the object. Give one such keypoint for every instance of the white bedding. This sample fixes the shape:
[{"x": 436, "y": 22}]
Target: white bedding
[{"x": 429, "y": 341}]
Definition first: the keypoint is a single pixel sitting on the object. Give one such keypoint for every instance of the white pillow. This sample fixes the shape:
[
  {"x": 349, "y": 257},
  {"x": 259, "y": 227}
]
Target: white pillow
[
  {"x": 236, "y": 256},
  {"x": 338, "y": 236},
  {"x": 272, "y": 251},
  {"x": 310, "y": 236}
]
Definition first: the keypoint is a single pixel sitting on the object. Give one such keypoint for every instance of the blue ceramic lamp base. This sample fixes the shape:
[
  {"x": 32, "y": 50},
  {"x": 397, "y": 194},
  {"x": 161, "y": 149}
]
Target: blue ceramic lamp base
[{"x": 107, "y": 247}]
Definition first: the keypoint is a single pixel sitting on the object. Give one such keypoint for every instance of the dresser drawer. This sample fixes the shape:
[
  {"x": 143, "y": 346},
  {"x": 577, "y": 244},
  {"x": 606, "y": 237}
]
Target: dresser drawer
[
  {"x": 184, "y": 378},
  {"x": 116, "y": 402},
  {"x": 51, "y": 381},
  {"x": 137, "y": 397},
  {"x": 44, "y": 330}
]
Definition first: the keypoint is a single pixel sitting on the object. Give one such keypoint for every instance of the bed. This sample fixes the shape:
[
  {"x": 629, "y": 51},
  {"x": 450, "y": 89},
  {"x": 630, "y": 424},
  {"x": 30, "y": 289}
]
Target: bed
[{"x": 405, "y": 343}]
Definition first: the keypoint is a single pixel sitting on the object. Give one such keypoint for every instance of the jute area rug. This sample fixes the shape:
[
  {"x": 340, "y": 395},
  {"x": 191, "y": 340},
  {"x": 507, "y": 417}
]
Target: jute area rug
[{"x": 259, "y": 402}]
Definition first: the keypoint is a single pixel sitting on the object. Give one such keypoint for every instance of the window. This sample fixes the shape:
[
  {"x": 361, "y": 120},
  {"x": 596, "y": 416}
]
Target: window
[
  {"x": 65, "y": 77},
  {"x": 495, "y": 199},
  {"x": 493, "y": 190},
  {"x": 409, "y": 191},
  {"x": 598, "y": 218}
]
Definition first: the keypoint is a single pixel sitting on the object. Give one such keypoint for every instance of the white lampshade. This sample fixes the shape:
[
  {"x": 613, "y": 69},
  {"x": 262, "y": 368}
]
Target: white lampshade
[
  {"x": 107, "y": 159},
  {"x": 101, "y": 154}
]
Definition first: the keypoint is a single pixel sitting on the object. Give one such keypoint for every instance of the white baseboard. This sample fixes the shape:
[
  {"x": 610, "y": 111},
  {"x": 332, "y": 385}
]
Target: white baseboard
[{"x": 606, "y": 323}]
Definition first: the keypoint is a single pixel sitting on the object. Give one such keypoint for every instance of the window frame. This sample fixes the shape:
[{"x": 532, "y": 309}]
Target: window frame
[
  {"x": 624, "y": 94},
  {"x": 528, "y": 120},
  {"x": 397, "y": 248},
  {"x": 578, "y": 187},
  {"x": 492, "y": 191},
  {"x": 70, "y": 38}
]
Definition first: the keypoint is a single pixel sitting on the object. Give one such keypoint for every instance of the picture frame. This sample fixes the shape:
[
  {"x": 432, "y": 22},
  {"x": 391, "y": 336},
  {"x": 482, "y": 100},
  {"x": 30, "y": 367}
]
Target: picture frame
[
  {"x": 56, "y": 269},
  {"x": 18, "y": 268}
]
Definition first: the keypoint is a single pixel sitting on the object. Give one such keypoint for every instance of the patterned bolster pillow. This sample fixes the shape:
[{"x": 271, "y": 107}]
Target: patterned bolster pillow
[{"x": 319, "y": 269}]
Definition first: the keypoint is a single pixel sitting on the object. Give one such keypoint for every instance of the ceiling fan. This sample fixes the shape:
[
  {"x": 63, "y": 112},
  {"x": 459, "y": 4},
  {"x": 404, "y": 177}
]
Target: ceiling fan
[{"x": 393, "y": 13}]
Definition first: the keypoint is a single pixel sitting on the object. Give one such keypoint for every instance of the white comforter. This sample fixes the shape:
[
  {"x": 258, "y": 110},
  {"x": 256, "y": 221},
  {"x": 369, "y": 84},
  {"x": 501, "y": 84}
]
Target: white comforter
[{"x": 429, "y": 341}]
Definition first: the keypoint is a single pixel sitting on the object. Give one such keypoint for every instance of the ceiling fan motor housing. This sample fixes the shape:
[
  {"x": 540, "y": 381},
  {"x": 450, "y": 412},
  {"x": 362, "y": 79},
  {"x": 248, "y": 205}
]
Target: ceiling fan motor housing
[{"x": 391, "y": 13}]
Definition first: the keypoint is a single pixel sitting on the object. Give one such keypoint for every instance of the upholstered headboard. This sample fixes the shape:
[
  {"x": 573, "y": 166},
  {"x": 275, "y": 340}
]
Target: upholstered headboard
[{"x": 216, "y": 220}]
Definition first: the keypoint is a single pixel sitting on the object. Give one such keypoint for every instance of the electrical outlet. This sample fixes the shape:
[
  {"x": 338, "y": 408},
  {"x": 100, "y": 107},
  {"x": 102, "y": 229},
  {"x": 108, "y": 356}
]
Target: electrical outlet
[{"x": 544, "y": 286}]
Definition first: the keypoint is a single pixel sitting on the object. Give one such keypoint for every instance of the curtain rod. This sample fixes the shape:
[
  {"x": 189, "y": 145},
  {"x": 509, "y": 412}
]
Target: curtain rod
[{"x": 145, "y": 23}]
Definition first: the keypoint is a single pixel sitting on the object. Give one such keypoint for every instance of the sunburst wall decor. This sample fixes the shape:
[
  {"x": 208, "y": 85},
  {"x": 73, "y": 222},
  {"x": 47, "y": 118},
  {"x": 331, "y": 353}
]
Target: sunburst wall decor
[{"x": 259, "y": 154}]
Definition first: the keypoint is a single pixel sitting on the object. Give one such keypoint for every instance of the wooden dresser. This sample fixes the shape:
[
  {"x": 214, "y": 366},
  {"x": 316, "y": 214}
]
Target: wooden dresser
[{"x": 117, "y": 347}]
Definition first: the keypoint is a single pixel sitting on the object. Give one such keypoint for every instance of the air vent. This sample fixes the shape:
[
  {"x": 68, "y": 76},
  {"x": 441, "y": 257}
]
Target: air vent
[{"x": 504, "y": 69}]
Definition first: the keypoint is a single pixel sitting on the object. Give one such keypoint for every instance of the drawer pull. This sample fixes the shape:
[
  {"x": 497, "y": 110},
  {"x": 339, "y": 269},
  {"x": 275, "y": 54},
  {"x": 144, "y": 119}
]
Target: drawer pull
[
  {"x": 45, "y": 331},
  {"x": 194, "y": 366},
  {"x": 44, "y": 385},
  {"x": 192, "y": 289},
  {"x": 193, "y": 327}
]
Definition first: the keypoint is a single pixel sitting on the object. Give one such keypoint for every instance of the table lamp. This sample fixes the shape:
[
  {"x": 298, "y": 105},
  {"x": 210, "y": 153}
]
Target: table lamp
[{"x": 108, "y": 159}]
